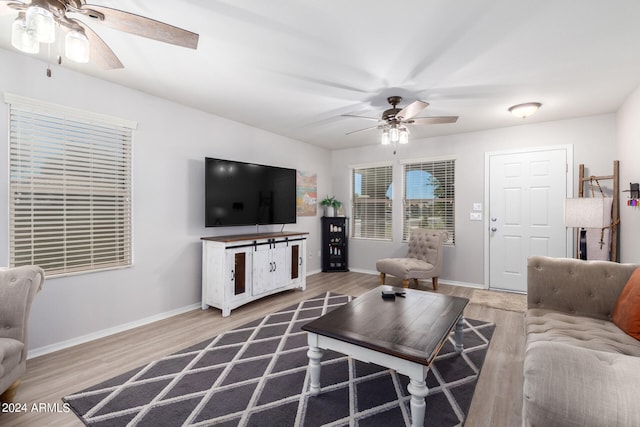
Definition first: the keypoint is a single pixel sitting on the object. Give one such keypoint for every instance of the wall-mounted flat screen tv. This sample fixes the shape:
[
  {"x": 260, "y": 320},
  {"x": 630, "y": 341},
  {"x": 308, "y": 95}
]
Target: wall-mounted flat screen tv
[{"x": 238, "y": 193}]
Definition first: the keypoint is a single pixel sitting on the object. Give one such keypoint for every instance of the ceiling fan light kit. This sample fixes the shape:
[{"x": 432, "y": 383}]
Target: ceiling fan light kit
[{"x": 525, "y": 110}]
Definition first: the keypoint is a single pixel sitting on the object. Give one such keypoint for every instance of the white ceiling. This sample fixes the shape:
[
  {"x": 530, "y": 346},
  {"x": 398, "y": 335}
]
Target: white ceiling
[{"x": 294, "y": 67}]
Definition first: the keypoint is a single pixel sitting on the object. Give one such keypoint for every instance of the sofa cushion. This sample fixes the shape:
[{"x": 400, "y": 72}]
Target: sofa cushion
[
  {"x": 584, "y": 332},
  {"x": 564, "y": 386},
  {"x": 626, "y": 312}
]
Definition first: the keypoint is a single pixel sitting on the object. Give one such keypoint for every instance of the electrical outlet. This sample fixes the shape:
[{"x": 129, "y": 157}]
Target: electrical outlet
[{"x": 475, "y": 216}]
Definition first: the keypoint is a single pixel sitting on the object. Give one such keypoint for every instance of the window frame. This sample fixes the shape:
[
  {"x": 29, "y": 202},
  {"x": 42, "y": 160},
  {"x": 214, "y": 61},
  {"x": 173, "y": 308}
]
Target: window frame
[
  {"x": 70, "y": 176},
  {"x": 374, "y": 233}
]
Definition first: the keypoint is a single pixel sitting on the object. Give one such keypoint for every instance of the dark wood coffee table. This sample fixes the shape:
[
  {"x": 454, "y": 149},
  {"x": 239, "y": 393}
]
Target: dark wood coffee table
[{"x": 404, "y": 334}]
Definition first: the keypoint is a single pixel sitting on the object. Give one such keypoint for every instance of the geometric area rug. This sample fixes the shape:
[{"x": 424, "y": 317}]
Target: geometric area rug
[{"x": 256, "y": 375}]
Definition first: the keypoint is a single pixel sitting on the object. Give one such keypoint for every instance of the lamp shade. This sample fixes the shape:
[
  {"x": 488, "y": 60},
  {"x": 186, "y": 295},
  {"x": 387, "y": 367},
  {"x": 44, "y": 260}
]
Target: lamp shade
[{"x": 587, "y": 212}]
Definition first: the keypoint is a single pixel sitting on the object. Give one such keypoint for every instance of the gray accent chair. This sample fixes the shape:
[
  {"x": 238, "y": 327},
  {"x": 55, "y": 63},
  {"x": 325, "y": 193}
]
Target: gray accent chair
[
  {"x": 423, "y": 261},
  {"x": 580, "y": 369},
  {"x": 18, "y": 287}
]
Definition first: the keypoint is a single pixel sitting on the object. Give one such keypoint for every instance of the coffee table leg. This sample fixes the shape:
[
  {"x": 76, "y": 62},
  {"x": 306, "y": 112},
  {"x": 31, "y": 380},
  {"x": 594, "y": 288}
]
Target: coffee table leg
[
  {"x": 418, "y": 390},
  {"x": 459, "y": 335},
  {"x": 315, "y": 355}
]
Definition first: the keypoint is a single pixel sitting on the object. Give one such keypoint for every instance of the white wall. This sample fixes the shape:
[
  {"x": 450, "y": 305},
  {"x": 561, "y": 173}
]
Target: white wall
[
  {"x": 629, "y": 153},
  {"x": 168, "y": 165},
  {"x": 593, "y": 140}
]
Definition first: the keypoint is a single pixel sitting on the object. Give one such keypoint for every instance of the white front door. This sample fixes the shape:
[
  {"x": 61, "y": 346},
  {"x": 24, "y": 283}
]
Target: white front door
[{"x": 526, "y": 206}]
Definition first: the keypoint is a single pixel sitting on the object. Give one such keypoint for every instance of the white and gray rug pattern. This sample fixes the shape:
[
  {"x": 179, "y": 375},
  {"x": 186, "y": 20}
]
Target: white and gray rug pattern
[{"x": 256, "y": 375}]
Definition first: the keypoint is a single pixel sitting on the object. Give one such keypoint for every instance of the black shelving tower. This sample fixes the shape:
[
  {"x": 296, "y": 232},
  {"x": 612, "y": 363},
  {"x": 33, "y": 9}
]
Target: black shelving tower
[{"x": 335, "y": 235}]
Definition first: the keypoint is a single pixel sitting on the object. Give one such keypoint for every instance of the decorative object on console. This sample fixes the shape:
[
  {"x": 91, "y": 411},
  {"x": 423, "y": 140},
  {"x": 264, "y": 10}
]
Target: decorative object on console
[{"x": 394, "y": 121}]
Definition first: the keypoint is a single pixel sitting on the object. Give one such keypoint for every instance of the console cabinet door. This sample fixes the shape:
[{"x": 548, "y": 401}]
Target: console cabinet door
[
  {"x": 297, "y": 261},
  {"x": 238, "y": 265},
  {"x": 271, "y": 268}
]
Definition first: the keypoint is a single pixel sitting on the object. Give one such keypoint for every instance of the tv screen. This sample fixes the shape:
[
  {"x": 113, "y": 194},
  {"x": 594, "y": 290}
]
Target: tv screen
[{"x": 238, "y": 193}]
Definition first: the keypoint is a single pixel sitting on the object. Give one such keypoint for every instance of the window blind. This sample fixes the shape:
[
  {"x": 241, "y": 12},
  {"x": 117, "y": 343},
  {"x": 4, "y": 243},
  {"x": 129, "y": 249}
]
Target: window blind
[
  {"x": 429, "y": 196},
  {"x": 371, "y": 202},
  {"x": 70, "y": 188}
]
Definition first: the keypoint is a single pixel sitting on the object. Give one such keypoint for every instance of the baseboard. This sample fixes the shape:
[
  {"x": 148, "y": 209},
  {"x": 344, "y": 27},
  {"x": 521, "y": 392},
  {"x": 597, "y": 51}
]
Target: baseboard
[
  {"x": 40, "y": 351},
  {"x": 440, "y": 280}
]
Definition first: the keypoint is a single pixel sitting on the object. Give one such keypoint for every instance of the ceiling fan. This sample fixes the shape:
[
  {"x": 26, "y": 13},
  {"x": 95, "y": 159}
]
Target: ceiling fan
[
  {"x": 38, "y": 19},
  {"x": 394, "y": 121}
]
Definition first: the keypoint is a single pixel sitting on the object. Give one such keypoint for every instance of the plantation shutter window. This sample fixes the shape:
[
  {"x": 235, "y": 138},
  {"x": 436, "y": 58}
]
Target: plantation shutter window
[
  {"x": 429, "y": 196},
  {"x": 70, "y": 188},
  {"x": 371, "y": 202}
]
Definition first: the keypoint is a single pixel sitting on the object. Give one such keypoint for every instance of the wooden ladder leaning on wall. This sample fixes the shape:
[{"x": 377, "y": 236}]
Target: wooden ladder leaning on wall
[{"x": 615, "y": 210}]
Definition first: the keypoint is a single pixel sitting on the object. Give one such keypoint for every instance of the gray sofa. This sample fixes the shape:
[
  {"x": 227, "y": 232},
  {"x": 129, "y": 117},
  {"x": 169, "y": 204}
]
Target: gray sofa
[
  {"x": 579, "y": 368},
  {"x": 18, "y": 287}
]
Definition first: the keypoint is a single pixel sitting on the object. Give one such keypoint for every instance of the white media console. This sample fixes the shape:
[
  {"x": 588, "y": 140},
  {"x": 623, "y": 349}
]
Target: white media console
[{"x": 243, "y": 268}]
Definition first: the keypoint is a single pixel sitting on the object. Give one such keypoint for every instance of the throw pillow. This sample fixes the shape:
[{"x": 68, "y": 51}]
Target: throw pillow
[{"x": 626, "y": 313}]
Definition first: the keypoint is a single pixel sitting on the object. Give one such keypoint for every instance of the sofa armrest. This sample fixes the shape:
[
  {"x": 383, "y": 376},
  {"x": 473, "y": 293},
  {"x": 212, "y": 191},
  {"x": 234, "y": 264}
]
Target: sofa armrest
[{"x": 572, "y": 286}]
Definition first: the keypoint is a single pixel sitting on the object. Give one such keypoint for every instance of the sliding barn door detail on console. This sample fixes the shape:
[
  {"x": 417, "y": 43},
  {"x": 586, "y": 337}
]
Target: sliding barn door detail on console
[{"x": 526, "y": 194}]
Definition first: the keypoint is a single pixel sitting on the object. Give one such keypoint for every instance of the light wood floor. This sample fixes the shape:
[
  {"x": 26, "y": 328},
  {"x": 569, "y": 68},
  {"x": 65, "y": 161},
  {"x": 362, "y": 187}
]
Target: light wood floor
[{"x": 497, "y": 400}]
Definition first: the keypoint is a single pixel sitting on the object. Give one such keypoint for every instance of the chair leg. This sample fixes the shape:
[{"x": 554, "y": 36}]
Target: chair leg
[
  {"x": 415, "y": 282},
  {"x": 405, "y": 283},
  {"x": 434, "y": 280},
  {"x": 382, "y": 276},
  {"x": 10, "y": 393}
]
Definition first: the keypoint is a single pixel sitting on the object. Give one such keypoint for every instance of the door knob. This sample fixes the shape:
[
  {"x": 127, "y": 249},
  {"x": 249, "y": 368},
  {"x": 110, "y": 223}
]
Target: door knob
[
  {"x": 494, "y": 229},
  {"x": 494, "y": 219}
]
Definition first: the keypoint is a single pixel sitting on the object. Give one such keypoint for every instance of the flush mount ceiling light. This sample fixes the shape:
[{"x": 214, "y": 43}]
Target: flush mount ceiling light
[{"x": 525, "y": 110}]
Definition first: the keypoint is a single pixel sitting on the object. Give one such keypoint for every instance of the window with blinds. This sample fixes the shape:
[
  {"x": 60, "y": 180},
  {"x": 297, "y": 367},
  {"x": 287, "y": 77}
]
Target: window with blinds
[
  {"x": 70, "y": 188},
  {"x": 371, "y": 201},
  {"x": 429, "y": 196}
]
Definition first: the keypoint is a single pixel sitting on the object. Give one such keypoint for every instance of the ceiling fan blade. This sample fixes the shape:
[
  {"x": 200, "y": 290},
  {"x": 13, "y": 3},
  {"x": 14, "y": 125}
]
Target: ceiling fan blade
[
  {"x": 362, "y": 130},
  {"x": 142, "y": 26},
  {"x": 412, "y": 109},
  {"x": 432, "y": 120},
  {"x": 5, "y": 9},
  {"x": 100, "y": 53},
  {"x": 360, "y": 117}
]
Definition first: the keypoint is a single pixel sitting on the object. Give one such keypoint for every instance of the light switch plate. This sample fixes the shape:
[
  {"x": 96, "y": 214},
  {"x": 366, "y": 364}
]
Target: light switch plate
[
  {"x": 475, "y": 216},
  {"x": 477, "y": 207}
]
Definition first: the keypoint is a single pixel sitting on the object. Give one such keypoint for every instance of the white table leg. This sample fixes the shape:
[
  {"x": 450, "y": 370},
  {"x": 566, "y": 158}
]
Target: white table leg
[
  {"x": 418, "y": 390},
  {"x": 458, "y": 335},
  {"x": 315, "y": 355}
]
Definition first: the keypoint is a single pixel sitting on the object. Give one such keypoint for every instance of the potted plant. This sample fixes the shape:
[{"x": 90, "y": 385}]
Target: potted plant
[{"x": 330, "y": 205}]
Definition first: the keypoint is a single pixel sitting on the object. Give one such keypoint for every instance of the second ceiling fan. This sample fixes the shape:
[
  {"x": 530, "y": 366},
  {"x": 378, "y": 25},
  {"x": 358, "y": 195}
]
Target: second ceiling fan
[{"x": 394, "y": 120}]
